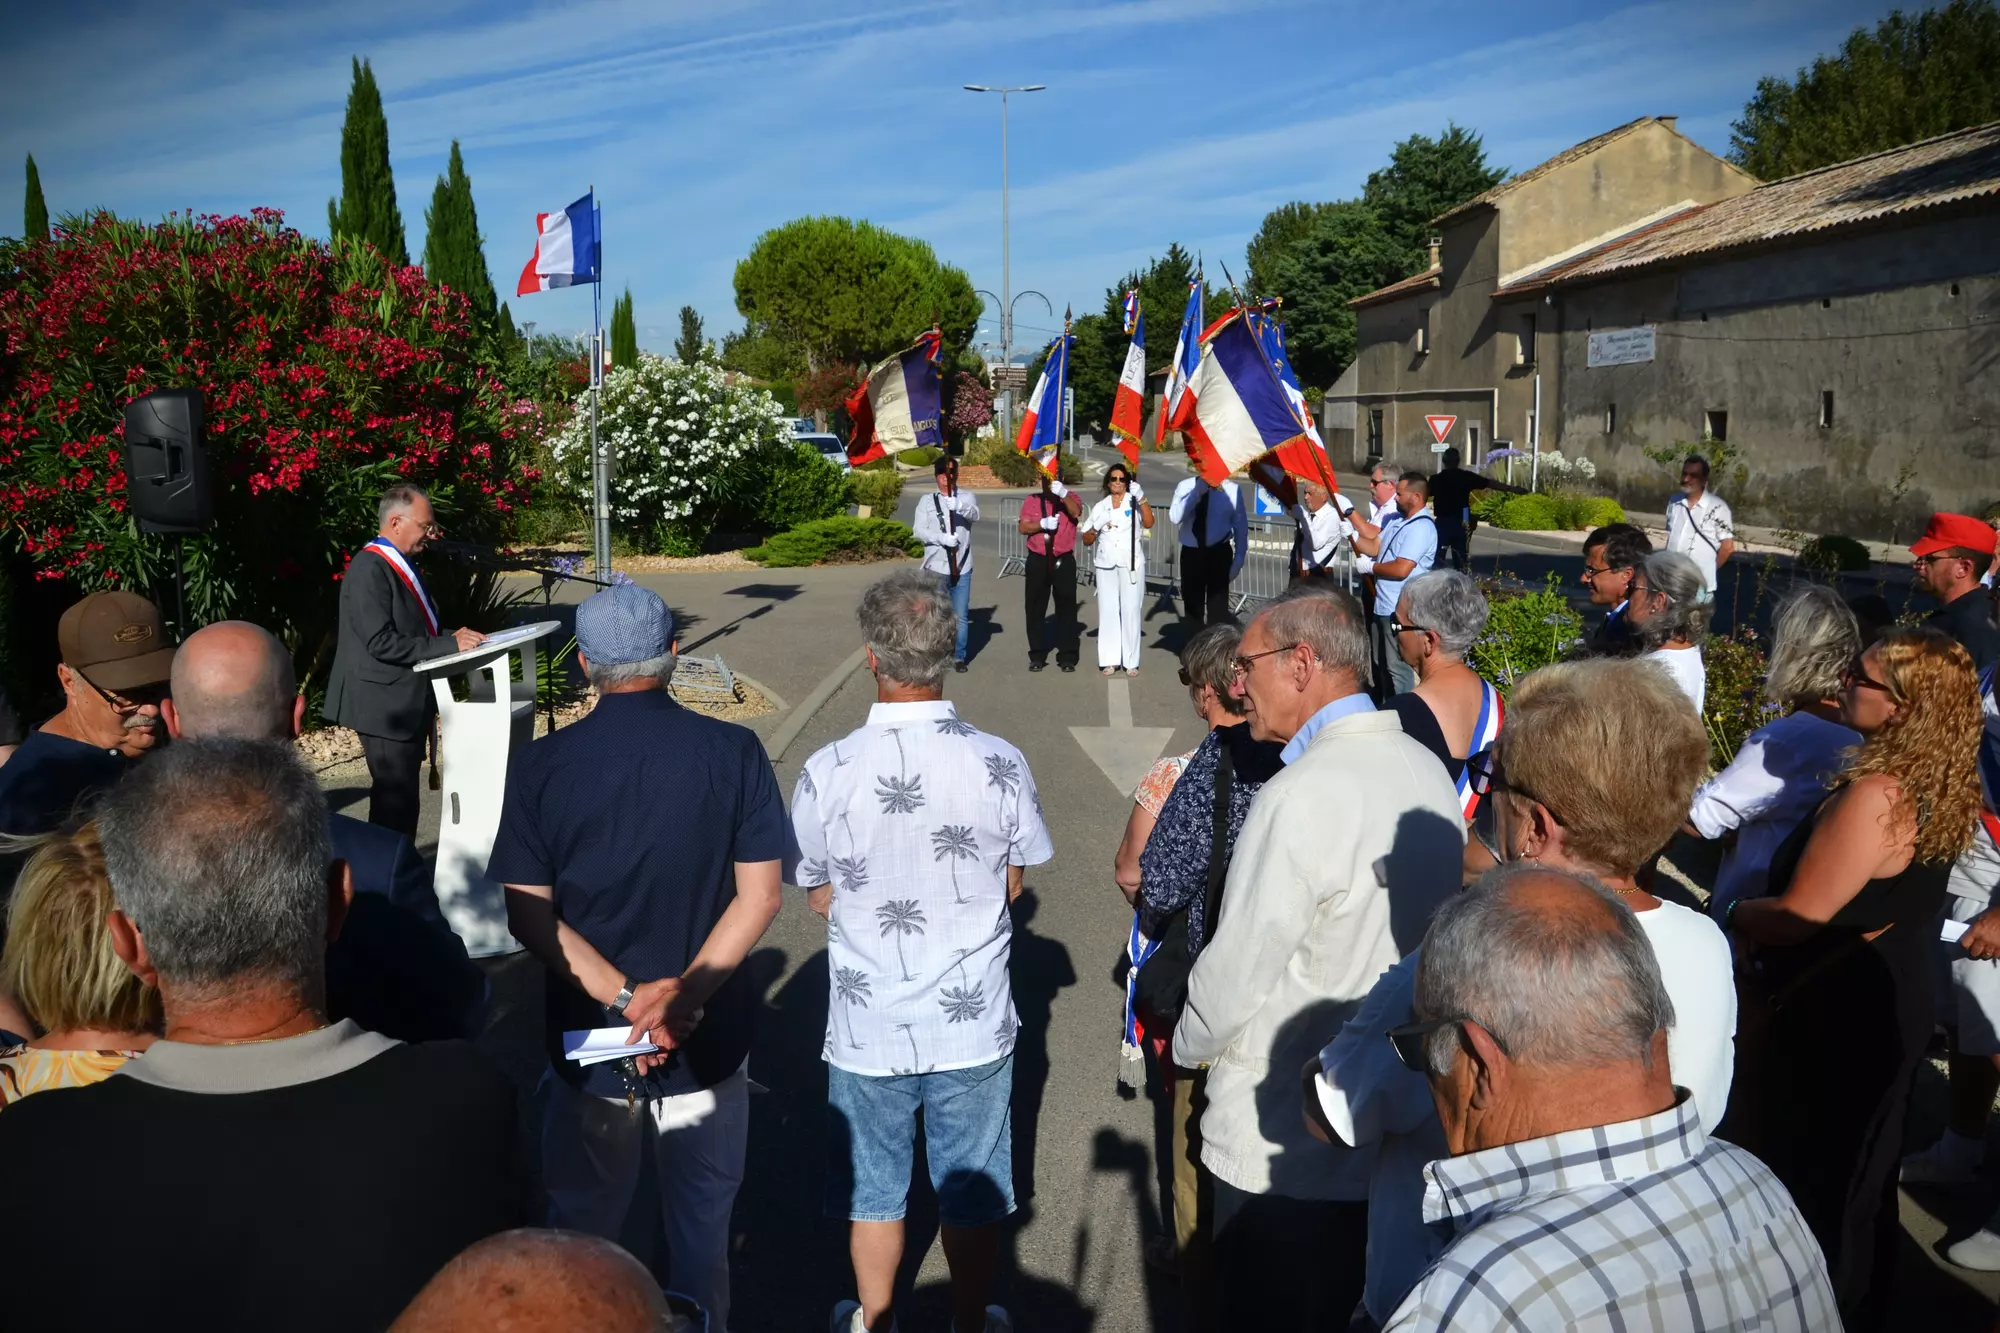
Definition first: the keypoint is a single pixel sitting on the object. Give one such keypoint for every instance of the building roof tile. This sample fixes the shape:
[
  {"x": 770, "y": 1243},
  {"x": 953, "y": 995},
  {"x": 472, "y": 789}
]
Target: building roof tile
[{"x": 1430, "y": 278}]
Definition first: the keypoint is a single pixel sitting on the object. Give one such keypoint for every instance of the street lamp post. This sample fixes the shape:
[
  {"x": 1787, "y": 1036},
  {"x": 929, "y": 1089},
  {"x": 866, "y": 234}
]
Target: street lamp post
[{"x": 1006, "y": 268}]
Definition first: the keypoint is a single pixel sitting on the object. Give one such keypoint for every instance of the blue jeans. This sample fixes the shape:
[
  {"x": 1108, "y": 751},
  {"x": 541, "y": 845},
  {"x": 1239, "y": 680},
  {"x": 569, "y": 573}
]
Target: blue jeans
[
  {"x": 961, "y": 602},
  {"x": 968, "y": 1139}
]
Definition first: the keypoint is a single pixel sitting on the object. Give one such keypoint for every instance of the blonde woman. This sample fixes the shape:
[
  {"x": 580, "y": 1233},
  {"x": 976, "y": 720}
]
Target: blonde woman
[
  {"x": 1112, "y": 531},
  {"x": 93, "y": 1013},
  {"x": 1842, "y": 952}
]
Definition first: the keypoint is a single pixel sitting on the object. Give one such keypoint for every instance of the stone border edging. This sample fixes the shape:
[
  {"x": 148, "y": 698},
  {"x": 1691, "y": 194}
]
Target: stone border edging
[{"x": 788, "y": 731}]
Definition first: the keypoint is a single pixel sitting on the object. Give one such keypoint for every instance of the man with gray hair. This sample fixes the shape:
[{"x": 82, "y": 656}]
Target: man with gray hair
[
  {"x": 388, "y": 624},
  {"x": 913, "y": 834},
  {"x": 1584, "y": 1192},
  {"x": 317, "y": 1174},
  {"x": 640, "y": 849},
  {"x": 397, "y": 968},
  {"x": 1341, "y": 860}
]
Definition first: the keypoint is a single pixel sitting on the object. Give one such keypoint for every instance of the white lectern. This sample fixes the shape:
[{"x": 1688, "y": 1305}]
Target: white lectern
[{"x": 497, "y": 714}]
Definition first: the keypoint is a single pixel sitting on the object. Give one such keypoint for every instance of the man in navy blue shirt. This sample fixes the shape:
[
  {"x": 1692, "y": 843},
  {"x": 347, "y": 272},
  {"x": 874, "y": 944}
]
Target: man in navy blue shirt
[{"x": 641, "y": 849}]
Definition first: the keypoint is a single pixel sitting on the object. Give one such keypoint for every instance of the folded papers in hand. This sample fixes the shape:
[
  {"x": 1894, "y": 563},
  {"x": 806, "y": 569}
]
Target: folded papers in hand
[{"x": 593, "y": 1046}]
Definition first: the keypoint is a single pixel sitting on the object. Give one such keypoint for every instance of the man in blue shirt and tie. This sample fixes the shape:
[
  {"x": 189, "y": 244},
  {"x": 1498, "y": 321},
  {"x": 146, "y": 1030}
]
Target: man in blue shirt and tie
[
  {"x": 1405, "y": 547},
  {"x": 1214, "y": 529}
]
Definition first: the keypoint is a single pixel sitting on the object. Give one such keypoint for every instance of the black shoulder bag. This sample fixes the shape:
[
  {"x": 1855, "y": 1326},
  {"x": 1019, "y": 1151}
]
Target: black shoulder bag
[{"x": 1161, "y": 991}]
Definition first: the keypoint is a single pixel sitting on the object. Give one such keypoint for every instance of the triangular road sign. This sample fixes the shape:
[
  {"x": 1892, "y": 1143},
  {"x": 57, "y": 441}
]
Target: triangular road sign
[{"x": 1440, "y": 427}]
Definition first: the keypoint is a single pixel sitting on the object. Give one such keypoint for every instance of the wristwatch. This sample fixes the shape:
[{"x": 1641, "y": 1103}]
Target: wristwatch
[{"x": 617, "y": 1006}]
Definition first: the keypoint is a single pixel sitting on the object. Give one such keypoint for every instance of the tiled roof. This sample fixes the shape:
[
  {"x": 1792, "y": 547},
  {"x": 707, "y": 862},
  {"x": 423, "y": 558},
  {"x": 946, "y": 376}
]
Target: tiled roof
[
  {"x": 1427, "y": 279},
  {"x": 1565, "y": 157},
  {"x": 1949, "y": 169}
]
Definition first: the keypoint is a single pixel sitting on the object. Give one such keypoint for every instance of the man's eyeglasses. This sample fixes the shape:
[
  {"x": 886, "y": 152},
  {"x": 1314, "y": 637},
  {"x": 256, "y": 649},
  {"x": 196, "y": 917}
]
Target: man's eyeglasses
[
  {"x": 1380, "y": 481},
  {"x": 1396, "y": 626},
  {"x": 1592, "y": 573},
  {"x": 1241, "y": 664},
  {"x": 141, "y": 696},
  {"x": 1934, "y": 557},
  {"x": 1409, "y": 1039}
]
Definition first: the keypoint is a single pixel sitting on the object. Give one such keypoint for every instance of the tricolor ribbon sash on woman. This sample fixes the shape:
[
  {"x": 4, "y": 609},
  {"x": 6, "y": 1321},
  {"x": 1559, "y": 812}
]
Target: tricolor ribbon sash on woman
[
  {"x": 1131, "y": 1064},
  {"x": 1484, "y": 732},
  {"x": 401, "y": 564}
]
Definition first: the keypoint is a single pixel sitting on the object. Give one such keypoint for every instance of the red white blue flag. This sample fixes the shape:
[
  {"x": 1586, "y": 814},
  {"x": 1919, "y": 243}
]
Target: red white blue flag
[
  {"x": 1041, "y": 433},
  {"x": 1187, "y": 356},
  {"x": 1236, "y": 408},
  {"x": 565, "y": 249},
  {"x": 1128, "y": 405},
  {"x": 897, "y": 406}
]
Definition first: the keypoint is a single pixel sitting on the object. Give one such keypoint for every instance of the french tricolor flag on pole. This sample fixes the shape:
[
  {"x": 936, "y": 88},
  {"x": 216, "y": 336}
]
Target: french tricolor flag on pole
[{"x": 565, "y": 249}]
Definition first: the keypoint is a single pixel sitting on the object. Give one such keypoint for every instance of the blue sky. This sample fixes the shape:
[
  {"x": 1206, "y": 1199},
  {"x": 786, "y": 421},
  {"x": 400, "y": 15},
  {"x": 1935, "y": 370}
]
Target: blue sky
[{"x": 702, "y": 125}]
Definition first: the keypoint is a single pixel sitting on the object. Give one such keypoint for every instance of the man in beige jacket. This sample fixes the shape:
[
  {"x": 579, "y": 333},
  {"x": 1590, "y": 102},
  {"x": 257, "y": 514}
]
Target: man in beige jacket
[{"x": 1342, "y": 860}]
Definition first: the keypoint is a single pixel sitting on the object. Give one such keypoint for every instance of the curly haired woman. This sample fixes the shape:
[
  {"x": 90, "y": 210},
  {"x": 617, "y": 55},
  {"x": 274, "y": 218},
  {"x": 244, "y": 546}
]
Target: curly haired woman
[{"x": 1842, "y": 955}]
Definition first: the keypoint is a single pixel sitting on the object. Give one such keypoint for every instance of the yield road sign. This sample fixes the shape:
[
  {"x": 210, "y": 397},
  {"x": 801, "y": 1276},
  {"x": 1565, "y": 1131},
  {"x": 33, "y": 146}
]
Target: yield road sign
[{"x": 1440, "y": 427}]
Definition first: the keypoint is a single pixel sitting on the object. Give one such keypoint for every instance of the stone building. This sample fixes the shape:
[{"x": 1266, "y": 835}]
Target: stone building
[{"x": 1838, "y": 332}]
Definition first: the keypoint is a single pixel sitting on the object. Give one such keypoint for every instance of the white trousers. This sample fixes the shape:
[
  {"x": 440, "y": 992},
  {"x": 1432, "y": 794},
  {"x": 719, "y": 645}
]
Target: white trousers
[
  {"x": 1121, "y": 594},
  {"x": 591, "y": 1150}
]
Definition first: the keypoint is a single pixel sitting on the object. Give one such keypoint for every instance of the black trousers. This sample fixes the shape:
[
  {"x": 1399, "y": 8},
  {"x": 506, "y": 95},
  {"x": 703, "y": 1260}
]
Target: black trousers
[
  {"x": 1288, "y": 1264},
  {"x": 1205, "y": 584},
  {"x": 392, "y": 779},
  {"x": 1455, "y": 543},
  {"x": 1064, "y": 635}
]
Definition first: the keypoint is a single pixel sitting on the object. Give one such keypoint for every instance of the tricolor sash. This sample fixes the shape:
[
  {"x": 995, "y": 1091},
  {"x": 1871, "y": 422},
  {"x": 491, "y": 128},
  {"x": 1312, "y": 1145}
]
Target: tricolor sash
[
  {"x": 400, "y": 563},
  {"x": 1484, "y": 732},
  {"x": 1131, "y": 1065}
]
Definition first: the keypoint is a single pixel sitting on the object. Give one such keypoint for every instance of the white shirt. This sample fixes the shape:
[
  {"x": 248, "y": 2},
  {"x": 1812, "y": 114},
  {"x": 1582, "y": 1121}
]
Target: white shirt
[
  {"x": 1121, "y": 537},
  {"x": 914, "y": 818},
  {"x": 1371, "y": 1098},
  {"x": 944, "y": 524},
  {"x": 1322, "y": 532},
  {"x": 1226, "y": 516},
  {"x": 1686, "y": 668},
  {"x": 1697, "y": 529},
  {"x": 1378, "y": 514},
  {"x": 1777, "y": 779}
]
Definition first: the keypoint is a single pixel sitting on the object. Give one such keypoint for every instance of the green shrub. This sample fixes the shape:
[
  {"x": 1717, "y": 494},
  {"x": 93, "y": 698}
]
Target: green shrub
[
  {"x": 796, "y": 487},
  {"x": 878, "y": 490},
  {"x": 918, "y": 457},
  {"x": 840, "y": 540},
  {"x": 1732, "y": 705},
  {"x": 1595, "y": 511},
  {"x": 1527, "y": 513},
  {"x": 1557, "y": 512},
  {"x": 1486, "y": 505},
  {"x": 1524, "y": 630},
  {"x": 1834, "y": 554},
  {"x": 886, "y": 463}
]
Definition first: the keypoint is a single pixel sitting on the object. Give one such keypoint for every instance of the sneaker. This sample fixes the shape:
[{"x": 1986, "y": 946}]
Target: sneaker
[
  {"x": 847, "y": 1318},
  {"x": 1943, "y": 1163},
  {"x": 998, "y": 1320},
  {"x": 1979, "y": 1252},
  {"x": 960, "y": 666}
]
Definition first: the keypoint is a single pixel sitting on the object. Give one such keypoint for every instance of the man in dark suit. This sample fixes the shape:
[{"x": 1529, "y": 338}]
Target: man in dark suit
[
  {"x": 388, "y": 624},
  {"x": 396, "y": 967}
]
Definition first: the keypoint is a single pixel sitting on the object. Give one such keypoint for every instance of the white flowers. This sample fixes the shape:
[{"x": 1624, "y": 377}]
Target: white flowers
[
  {"x": 1554, "y": 472},
  {"x": 674, "y": 430}
]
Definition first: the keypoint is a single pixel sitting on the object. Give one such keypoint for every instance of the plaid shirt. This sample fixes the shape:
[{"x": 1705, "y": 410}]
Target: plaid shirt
[{"x": 1646, "y": 1224}]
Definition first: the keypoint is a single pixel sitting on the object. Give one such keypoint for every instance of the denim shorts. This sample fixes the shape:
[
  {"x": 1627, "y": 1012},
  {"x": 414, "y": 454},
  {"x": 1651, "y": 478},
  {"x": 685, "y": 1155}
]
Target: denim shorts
[{"x": 968, "y": 1139}]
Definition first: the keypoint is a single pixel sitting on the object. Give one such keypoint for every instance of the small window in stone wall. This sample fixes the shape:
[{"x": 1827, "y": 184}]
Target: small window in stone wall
[
  {"x": 1715, "y": 425},
  {"x": 1524, "y": 344},
  {"x": 1424, "y": 331},
  {"x": 1826, "y": 409},
  {"x": 1610, "y": 418},
  {"x": 1374, "y": 432}
]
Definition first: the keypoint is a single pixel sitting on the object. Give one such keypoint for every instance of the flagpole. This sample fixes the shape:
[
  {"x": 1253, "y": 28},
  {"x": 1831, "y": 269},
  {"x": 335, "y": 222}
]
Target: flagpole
[
  {"x": 599, "y": 465},
  {"x": 1264, "y": 359}
]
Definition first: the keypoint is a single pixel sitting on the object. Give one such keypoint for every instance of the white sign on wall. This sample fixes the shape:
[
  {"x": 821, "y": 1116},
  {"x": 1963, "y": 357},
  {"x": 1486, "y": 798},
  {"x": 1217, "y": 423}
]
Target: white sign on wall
[{"x": 1621, "y": 347}]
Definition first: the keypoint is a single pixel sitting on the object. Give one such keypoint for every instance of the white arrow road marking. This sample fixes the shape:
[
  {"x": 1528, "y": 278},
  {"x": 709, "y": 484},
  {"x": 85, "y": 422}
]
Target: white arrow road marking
[{"x": 1121, "y": 751}]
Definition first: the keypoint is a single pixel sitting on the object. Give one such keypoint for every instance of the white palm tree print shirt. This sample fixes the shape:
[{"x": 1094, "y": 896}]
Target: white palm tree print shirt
[{"x": 914, "y": 819}]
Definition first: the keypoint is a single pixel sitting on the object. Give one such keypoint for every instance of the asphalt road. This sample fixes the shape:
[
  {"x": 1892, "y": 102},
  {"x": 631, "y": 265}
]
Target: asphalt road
[{"x": 1085, "y": 1163}]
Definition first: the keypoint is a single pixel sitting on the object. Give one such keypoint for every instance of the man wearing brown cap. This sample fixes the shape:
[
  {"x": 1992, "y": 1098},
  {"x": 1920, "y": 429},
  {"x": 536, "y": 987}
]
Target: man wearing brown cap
[
  {"x": 116, "y": 660},
  {"x": 1948, "y": 562}
]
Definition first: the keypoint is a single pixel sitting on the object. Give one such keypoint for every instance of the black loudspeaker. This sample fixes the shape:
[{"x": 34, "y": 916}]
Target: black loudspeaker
[{"x": 166, "y": 462}]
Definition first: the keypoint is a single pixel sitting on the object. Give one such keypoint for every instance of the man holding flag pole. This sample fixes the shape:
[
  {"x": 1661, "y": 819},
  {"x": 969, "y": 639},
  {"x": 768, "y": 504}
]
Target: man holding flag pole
[{"x": 1049, "y": 517}]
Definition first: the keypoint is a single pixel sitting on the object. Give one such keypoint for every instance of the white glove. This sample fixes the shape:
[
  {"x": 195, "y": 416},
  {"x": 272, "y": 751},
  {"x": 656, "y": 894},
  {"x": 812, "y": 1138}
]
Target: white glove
[
  {"x": 1051, "y": 523},
  {"x": 962, "y": 538},
  {"x": 1057, "y": 489},
  {"x": 1136, "y": 491}
]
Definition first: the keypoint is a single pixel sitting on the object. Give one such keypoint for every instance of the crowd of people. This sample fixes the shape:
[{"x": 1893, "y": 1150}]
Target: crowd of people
[{"x": 1439, "y": 1043}]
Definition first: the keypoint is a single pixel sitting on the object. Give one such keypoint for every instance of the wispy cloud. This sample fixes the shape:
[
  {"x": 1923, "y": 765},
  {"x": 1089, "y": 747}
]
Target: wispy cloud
[{"x": 701, "y": 125}]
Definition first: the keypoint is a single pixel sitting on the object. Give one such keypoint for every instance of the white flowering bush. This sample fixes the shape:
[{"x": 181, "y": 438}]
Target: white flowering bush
[
  {"x": 1556, "y": 473},
  {"x": 686, "y": 444}
]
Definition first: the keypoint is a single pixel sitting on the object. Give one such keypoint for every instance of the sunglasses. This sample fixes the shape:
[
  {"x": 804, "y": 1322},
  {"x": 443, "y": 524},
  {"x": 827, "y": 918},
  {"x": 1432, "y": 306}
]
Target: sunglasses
[
  {"x": 1856, "y": 676},
  {"x": 1409, "y": 1040},
  {"x": 1396, "y": 626}
]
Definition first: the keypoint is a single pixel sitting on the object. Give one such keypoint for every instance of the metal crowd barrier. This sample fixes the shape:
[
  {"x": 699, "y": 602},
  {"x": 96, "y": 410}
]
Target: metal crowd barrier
[{"x": 1266, "y": 568}]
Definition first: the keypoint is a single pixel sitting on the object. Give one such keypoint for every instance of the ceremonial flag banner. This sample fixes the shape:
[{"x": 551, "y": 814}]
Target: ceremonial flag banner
[
  {"x": 565, "y": 249},
  {"x": 1187, "y": 355},
  {"x": 1041, "y": 431},
  {"x": 1272, "y": 334},
  {"x": 896, "y": 407},
  {"x": 1236, "y": 408},
  {"x": 1128, "y": 407}
]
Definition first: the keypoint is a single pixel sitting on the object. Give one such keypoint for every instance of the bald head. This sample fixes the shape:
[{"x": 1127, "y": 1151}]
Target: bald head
[
  {"x": 233, "y": 679},
  {"x": 546, "y": 1281}
]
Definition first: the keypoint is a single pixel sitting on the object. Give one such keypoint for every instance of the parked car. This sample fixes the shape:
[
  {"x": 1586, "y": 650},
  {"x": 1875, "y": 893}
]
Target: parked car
[{"x": 831, "y": 447}]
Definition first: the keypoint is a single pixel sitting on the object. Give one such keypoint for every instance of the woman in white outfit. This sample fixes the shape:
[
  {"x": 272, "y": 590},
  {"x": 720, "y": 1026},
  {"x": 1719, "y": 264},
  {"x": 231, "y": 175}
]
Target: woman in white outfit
[
  {"x": 1670, "y": 607},
  {"x": 1112, "y": 531}
]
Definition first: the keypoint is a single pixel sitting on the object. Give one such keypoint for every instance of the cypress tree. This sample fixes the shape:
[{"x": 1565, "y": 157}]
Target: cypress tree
[
  {"x": 453, "y": 251},
  {"x": 624, "y": 332},
  {"x": 690, "y": 345},
  {"x": 511, "y": 334},
  {"x": 35, "y": 217},
  {"x": 366, "y": 209}
]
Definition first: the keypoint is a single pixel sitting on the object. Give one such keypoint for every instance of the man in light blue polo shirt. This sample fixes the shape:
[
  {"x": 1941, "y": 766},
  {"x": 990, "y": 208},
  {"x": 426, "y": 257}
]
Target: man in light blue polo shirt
[{"x": 1406, "y": 547}]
